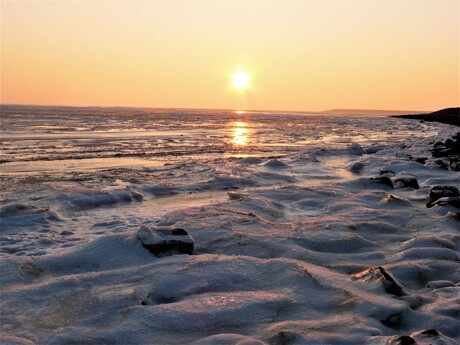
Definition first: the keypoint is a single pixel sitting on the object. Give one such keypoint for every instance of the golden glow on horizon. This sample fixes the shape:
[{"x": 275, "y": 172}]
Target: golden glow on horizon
[
  {"x": 241, "y": 80},
  {"x": 304, "y": 55}
]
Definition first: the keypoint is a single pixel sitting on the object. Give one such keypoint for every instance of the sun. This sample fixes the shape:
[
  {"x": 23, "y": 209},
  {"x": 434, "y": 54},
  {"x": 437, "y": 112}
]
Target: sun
[{"x": 241, "y": 80}]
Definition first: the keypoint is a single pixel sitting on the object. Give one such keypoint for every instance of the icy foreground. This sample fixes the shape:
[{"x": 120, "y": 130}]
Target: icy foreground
[{"x": 297, "y": 239}]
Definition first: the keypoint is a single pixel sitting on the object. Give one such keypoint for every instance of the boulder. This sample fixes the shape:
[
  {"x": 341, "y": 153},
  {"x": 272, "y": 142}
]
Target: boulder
[
  {"x": 386, "y": 180},
  {"x": 401, "y": 180},
  {"x": 405, "y": 180},
  {"x": 165, "y": 240},
  {"x": 454, "y": 163},
  {"x": 451, "y": 147},
  {"x": 442, "y": 163},
  {"x": 384, "y": 177},
  {"x": 442, "y": 192},
  {"x": 355, "y": 149},
  {"x": 406, "y": 340},
  {"x": 356, "y": 167}
]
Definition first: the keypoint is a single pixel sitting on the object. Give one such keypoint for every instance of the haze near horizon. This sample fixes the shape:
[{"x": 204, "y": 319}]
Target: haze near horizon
[{"x": 298, "y": 55}]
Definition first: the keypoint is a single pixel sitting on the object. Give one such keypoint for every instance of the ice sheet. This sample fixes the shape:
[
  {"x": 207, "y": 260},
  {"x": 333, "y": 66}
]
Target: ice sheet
[{"x": 290, "y": 241}]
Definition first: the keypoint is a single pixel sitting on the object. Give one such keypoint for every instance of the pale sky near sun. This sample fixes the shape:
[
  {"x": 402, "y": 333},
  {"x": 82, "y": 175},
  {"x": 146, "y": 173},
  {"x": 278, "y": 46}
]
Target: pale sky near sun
[{"x": 300, "y": 55}]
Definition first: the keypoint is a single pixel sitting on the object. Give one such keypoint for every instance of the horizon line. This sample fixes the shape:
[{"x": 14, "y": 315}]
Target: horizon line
[{"x": 223, "y": 109}]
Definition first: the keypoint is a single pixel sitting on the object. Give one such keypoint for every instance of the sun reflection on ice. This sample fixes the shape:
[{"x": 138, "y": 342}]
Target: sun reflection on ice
[{"x": 240, "y": 133}]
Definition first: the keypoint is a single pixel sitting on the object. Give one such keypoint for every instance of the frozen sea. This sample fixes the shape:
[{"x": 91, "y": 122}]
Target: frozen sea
[{"x": 296, "y": 239}]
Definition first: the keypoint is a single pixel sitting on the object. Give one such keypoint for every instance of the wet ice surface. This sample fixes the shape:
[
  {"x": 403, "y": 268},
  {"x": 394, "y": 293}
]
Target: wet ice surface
[{"x": 294, "y": 243}]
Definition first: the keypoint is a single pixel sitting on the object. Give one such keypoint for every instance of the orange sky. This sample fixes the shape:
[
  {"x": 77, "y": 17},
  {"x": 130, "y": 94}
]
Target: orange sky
[{"x": 301, "y": 55}]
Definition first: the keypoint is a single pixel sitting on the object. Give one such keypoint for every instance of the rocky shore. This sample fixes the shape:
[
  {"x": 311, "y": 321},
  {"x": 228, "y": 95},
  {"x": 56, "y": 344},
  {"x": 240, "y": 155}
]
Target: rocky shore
[{"x": 450, "y": 116}]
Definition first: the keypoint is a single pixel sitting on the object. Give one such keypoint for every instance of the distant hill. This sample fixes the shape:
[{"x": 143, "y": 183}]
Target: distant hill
[
  {"x": 450, "y": 116},
  {"x": 370, "y": 112}
]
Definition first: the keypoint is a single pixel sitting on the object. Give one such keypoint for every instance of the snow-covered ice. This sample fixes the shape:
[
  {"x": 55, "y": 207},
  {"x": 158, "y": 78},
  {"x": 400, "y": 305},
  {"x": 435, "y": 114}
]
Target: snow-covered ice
[{"x": 306, "y": 229}]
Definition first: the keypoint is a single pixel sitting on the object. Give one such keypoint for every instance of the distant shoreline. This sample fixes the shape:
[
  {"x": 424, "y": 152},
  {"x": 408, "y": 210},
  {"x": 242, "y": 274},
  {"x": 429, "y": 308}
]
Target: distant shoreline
[
  {"x": 334, "y": 112},
  {"x": 450, "y": 116}
]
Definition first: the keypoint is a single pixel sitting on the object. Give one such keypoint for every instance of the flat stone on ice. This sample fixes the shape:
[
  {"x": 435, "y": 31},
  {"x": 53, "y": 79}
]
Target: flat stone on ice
[
  {"x": 405, "y": 180},
  {"x": 165, "y": 240}
]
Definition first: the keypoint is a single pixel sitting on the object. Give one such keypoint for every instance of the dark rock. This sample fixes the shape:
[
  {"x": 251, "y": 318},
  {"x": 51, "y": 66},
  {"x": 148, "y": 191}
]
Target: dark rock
[
  {"x": 438, "y": 192},
  {"x": 161, "y": 241},
  {"x": 449, "y": 143},
  {"x": 406, "y": 340},
  {"x": 386, "y": 172},
  {"x": 454, "y": 163},
  {"x": 390, "y": 284},
  {"x": 154, "y": 300},
  {"x": 431, "y": 332},
  {"x": 355, "y": 149},
  {"x": 451, "y": 201},
  {"x": 379, "y": 274},
  {"x": 442, "y": 164},
  {"x": 451, "y": 147},
  {"x": 390, "y": 198},
  {"x": 283, "y": 338},
  {"x": 356, "y": 167},
  {"x": 404, "y": 180},
  {"x": 374, "y": 149},
  {"x": 385, "y": 177},
  {"x": 236, "y": 196},
  {"x": 137, "y": 196},
  {"x": 438, "y": 144},
  {"x": 394, "y": 197},
  {"x": 383, "y": 180},
  {"x": 421, "y": 160},
  {"x": 179, "y": 232},
  {"x": 454, "y": 142},
  {"x": 440, "y": 152}
]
